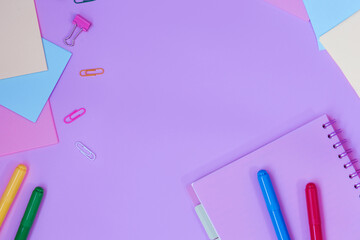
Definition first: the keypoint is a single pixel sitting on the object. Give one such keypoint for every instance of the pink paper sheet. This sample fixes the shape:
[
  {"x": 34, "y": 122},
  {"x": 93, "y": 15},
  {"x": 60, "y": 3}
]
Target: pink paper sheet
[
  {"x": 19, "y": 134},
  {"x": 234, "y": 202},
  {"x": 295, "y": 7}
]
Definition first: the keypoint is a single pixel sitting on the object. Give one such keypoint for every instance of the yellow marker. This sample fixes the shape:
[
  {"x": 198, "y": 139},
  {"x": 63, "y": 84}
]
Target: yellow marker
[{"x": 11, "y": 191}]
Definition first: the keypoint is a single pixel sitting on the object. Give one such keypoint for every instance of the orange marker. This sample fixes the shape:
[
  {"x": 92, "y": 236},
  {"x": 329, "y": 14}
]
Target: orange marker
[{"x": 11, "y": 190}]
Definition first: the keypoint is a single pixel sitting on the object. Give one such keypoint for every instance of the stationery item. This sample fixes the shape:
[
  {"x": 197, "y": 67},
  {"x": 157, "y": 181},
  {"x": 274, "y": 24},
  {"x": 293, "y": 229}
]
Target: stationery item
[
  {"x": 27, "y": 95},
  {"x": 11, "y": 190},
  {"x": 342, "y": 43},
  {"x": 79, "y": 22},
  {"x": 326, "y": 14},
  {"x": 91, "y": 72},
  {"x": 294, "y": 7},
  {"x": 85, "y": 151},
  {"x": 313, "y": 210},
  {"x": 272, "y": 205},
  {"x": 206, "y": 222},
  {"x": 74, "y": 115},
  {"x": 30, "y": 214},
  {"x": 84, "y": 1},
  {"x": 233, "y": 202},
  {"x": 21, "y": 49},
  {"x": 19, "y": 134}
]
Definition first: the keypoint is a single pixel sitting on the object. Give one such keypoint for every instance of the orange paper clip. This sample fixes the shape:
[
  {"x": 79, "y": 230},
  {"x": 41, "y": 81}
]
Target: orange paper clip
[
  {"x": 74, "y": 115},
  {"x": 91, "y": 72}
]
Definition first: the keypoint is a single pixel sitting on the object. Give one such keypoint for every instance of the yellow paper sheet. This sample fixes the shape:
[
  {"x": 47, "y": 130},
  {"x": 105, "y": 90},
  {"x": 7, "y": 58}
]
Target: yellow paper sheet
[
  {"x": 343, "y": 44},
  {"x": 21, "y": 49}
]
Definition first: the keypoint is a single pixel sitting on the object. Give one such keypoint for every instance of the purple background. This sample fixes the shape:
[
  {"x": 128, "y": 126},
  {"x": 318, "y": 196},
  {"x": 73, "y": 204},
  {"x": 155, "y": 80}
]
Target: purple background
[{"x": 188, "y": 87}]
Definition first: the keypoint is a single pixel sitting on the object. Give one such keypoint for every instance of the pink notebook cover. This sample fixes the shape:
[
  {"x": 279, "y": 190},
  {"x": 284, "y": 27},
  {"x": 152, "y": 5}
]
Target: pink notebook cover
[
  {"x": 295, "y": 7},
  {"x": 19, "y": 134},
  {"x": 233, "y": 200}
]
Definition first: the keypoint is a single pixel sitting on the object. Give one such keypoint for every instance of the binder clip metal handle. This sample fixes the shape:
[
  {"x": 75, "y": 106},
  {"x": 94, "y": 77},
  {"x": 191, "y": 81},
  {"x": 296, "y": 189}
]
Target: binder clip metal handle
[
  {"x": 72, "y": 43},
  {"x": 79, "y": 22}
]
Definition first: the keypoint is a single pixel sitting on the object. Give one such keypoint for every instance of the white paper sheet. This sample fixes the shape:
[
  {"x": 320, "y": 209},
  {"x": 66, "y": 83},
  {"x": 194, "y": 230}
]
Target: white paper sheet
[{"x": 21, "y": 49}]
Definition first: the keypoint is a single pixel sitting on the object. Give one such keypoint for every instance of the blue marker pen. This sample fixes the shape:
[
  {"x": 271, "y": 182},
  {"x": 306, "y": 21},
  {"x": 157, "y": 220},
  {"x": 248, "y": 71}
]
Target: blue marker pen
[{"x": 273, "y": 205}]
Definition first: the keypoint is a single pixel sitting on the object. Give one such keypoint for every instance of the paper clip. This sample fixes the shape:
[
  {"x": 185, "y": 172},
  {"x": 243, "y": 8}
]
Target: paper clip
[
  {"x": 85, "y": 151},
  {"x": 74, "y": 115},
  {"x": 84, "y": 1},
  {"x": 91, "y": 72},
  {"x": 80, "y": 22}
]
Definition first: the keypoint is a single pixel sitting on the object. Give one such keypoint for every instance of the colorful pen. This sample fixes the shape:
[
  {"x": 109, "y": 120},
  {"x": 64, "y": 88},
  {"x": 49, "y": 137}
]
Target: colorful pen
[
  {"x": 11, "y": 191},
  {"x": 273, "y": 205},
  {"x": 313, "y": 211},
  {"x": 30, "y": 214}
]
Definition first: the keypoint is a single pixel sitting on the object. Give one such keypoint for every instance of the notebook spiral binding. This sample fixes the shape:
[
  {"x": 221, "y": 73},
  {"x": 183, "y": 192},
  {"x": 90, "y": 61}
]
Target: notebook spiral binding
[{"x": 344, "y": 154}]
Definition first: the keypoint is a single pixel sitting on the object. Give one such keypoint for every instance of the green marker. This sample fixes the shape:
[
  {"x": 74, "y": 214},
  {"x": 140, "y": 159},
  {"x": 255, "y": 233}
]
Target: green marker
[{"x": 30, "y": 214}]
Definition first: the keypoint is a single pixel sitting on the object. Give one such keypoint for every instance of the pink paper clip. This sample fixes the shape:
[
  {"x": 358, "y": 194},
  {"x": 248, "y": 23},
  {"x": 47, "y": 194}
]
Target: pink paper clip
[
  {"x": 74, "y": 115},
  {"x": 80, "y": 22}
]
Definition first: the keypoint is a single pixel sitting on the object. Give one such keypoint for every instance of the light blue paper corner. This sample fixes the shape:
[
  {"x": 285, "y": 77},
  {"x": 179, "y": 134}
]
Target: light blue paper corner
[
  {"x": 326, "y": 14},
  {"x": 27, "y": 95}
]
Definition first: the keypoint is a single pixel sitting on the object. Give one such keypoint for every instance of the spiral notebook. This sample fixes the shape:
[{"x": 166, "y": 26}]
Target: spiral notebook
[{"x": 232, "y": 206}]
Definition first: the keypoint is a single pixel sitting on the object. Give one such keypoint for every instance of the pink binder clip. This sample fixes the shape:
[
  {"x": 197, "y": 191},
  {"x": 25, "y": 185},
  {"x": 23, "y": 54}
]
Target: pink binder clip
[
  {"x": 80, "y": 22},
  {"x": 74, "y": 115}
]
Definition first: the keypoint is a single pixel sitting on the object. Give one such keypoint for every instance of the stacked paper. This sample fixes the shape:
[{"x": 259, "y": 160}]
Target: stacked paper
[
  {"x": 326, "y": 14},
  {"x": 343, "y": 44},
  {"x": 29, "y": 71},
  {"x": 26, "y": 95},
  {"x": 336, "y": 24},
  {"x": 295, "y": 7},
  {"x": 20, "y": 45}
]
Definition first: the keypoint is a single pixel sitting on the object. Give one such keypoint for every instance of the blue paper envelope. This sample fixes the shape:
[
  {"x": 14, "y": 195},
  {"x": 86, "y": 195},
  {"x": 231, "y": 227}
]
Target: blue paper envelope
[
  {"x": 327, "y": 14},
  {"x": 27, "y": 95}
]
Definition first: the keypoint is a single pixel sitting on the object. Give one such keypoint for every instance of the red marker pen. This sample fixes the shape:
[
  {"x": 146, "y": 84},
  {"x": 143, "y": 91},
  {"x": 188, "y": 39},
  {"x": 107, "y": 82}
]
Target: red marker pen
[{"x": 313, "y": 211}]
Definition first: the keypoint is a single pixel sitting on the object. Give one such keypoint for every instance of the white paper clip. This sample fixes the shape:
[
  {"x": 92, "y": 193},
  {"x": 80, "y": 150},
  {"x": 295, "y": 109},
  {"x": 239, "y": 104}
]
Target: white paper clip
[{"x": 85, "y": 151}]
